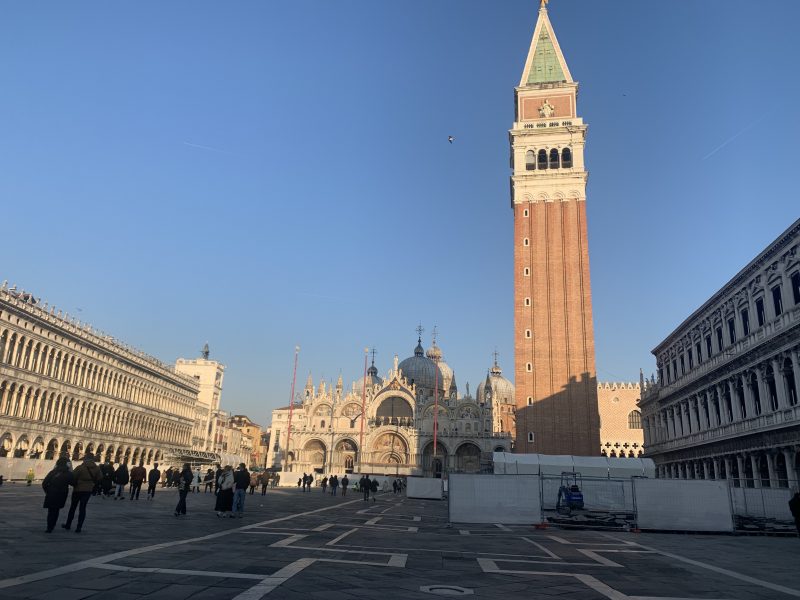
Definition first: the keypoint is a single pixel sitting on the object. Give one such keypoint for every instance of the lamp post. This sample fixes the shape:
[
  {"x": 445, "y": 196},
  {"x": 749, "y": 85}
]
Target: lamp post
[{"x": 291, "y": 407}]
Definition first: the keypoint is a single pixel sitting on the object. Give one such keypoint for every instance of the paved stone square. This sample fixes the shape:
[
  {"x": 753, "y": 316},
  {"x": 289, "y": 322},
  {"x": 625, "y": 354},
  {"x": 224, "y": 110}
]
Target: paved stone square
[{"x": 294, "y": 545}]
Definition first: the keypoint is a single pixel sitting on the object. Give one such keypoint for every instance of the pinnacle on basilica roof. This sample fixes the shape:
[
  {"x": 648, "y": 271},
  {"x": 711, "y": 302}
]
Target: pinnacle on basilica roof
[{"x": 545, "y": 63}]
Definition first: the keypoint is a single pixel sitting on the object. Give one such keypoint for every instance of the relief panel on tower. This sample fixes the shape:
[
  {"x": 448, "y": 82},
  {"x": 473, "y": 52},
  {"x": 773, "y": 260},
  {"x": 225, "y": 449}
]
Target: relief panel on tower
[{"x": 550, "y": 107}]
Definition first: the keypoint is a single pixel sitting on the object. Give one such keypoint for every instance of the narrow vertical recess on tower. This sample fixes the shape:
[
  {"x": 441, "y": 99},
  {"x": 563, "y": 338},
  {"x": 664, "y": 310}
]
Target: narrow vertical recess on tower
[{"x": 555, "y": 364}]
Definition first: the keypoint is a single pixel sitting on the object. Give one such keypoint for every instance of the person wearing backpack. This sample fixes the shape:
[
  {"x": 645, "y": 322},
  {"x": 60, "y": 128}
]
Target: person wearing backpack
[
  {"x": 373, "y": 487},
  {"x": 56, "y": 489}
]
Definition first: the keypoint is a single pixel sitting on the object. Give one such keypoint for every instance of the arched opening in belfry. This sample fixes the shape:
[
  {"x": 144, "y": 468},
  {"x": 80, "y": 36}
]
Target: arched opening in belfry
[
  {"x": 530, "y": 160},
  {"x": 542, "y": 159},
  {"x": 566, "y": 158},
  {"x": 555, "y": 159}
]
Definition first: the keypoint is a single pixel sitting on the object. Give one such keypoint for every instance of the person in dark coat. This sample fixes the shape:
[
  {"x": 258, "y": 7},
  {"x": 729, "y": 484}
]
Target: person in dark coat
[
  {"x": 242, "y": 479},
  {"x": 56, "y": 489},
  {"x": 334, "y": 484},
  {"x": 138, "y": 475},
  {"x": 345, "y": 483},
  {"x": 184, "y": 485},
  {"x": 153, "y": 477},
  {"x": 364, "y": 485},
  {"x": 107, "y": 481},
  {"x": 794, "y": 506},
  {"x": 121, "y": 479}
]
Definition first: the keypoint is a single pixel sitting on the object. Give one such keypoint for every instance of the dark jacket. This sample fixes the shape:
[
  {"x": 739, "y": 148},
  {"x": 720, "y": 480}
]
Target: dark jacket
[
  {"x": 154, "y": 476},
  {"x": 185, "y": 479},
  {"x": 138, "y": 474},
  {"x": 121, "y": 475},
  {"x": 241, "y": 479},
  {"x": 56, "y": 487},
  {"x": 86, "y": 475}
]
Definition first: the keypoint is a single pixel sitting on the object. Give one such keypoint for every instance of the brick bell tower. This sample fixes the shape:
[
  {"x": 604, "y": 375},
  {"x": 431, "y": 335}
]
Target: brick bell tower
[{"x": 555, "y": 378}]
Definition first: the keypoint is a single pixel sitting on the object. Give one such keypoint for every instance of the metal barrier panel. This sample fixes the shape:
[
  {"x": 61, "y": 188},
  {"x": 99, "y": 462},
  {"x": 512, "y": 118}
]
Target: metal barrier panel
[
  {"x": 424, "y": 487},
  {"x": 682, "y": 505},
  {"x": 607, "y": 503},
  {"x": 761, "y": 508},
  {"x": 504, "y": 499}
]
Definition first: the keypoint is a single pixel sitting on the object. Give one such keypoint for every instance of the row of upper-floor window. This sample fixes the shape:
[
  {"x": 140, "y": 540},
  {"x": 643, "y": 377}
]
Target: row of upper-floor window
[
  {"x": 724, "y": 335},
  {"x": 27, "y": 354},
  {"x": 750, "y": 395},
  {"x": 553, "y": 159},
  {"x": 17, "y": 400}
]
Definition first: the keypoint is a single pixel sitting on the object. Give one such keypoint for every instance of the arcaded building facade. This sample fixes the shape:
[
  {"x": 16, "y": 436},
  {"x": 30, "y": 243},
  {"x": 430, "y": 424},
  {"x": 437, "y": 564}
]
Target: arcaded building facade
[
  {"x": 554, "y": 363},
  {"x": 387, "y": 426},
  {"x": 621, "y": 433},
  {"x": 725, "y": 404},
  {"x": 66, "y": 390}
]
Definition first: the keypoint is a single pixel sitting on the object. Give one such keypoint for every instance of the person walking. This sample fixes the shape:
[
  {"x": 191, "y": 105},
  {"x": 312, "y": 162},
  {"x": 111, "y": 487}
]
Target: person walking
[
  {"x": 304, "y": 482},
  {"x": 84, "y": 478},
  {"x": 253, "y": 482},
  {"x": 334, "y": 484},
  {"x": 153, "y": 477},
  {"x": 242, "y": 479},
  {"x": 56, "y": 489},
  {"x": 197, "y": 480},
  {"x": 184, "y": 484},
  {"x": 373, "y": 487},
  {"x": 345, "y": 483},
  {"x": 29, "y": 476},
  {"x": 264, "y": 483},
  {"x": 209, "y": 481},
  {"x": 324, "y": 483},
  {"x": 794, "y": 507},
  {"x": 138, "y": 475},
  {"x": 107, "y": 478},
  {"x": 121, "y": 479},
  {"x": 217, "y": 475},
  {"x": 225, "y": 485},
  {"x": 364, "y": 485}
]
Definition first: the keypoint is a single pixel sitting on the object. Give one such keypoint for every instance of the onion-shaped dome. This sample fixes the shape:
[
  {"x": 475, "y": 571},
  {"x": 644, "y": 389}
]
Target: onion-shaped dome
[
  {"x": 502, "y": 390},
  {"x": 422, "y": 371},
  {"x": 372, "y": 380}
]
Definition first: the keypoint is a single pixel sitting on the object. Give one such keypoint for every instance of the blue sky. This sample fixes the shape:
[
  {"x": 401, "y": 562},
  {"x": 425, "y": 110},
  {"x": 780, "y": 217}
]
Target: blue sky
[{"x": 264, "y": 174}]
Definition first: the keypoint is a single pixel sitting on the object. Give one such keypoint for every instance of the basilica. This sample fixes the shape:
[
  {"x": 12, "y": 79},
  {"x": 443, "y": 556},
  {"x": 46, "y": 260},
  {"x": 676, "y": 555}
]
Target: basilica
[{"x": 413, "y": 421}]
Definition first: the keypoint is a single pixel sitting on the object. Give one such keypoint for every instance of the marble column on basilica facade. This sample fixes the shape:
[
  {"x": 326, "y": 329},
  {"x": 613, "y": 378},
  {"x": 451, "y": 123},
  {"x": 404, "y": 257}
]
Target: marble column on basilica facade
[
  {"x": 791, "y": 473},
  {"x": 780, "y": 384},
  {"x": 773, "y": 477},
  {"x": 756, "y": 470}
]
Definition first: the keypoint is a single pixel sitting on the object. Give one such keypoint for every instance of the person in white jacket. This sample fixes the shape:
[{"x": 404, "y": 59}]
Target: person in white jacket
[{"x": 224, "y": 503}]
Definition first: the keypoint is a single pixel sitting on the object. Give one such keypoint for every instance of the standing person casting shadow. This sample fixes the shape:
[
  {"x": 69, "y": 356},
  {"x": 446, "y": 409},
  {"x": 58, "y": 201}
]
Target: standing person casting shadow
[
  {"x": 84, "y": 478},
  {"x": 56, "y": 489},
  {"x": 184, "y": 485}
]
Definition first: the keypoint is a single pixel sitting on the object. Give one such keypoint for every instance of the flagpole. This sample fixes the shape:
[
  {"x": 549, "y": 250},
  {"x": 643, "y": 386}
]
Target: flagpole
[
  {"x": 291, "y": 409},
  {"x": 363, "y": 411}
]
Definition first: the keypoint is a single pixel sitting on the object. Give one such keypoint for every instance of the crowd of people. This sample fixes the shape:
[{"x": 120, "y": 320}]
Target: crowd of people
[
  {"x": 92, "y": 479},
  {"x": 230, "y": 486},
  {"x": 369, "y": 486}
]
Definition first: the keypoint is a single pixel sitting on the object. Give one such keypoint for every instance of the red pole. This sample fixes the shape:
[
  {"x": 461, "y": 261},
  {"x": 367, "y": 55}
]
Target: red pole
[
  {"x": 363, "y": 409},
  {"x": 291, "y": 408},
  {"x": 435, "y": 400}
]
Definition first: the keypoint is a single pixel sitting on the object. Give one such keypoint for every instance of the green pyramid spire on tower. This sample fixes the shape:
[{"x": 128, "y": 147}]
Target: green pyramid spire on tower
[{"x": 545, "y": 62}]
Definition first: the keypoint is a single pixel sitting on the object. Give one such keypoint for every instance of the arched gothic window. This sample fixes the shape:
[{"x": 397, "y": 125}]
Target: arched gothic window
[
  {"x": 634, "y": 420},
  {"x": 530, "y": 160}
]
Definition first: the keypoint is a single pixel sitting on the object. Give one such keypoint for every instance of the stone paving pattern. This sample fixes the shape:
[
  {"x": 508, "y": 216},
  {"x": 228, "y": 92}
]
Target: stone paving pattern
[{"x": 293, "y": 545}]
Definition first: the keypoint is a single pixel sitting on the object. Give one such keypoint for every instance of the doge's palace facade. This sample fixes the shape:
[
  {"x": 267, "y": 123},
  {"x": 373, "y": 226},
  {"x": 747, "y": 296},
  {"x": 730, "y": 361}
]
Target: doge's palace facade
[{"x": 66, "y": 389}]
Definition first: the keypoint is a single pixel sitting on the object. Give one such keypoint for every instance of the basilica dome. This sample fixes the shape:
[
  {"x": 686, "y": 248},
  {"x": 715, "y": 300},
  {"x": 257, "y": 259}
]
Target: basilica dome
[
  {"x": 372, "y": 379},
  {"x": 425, "y": 373},
  {"x": 502, "y": 390}
]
